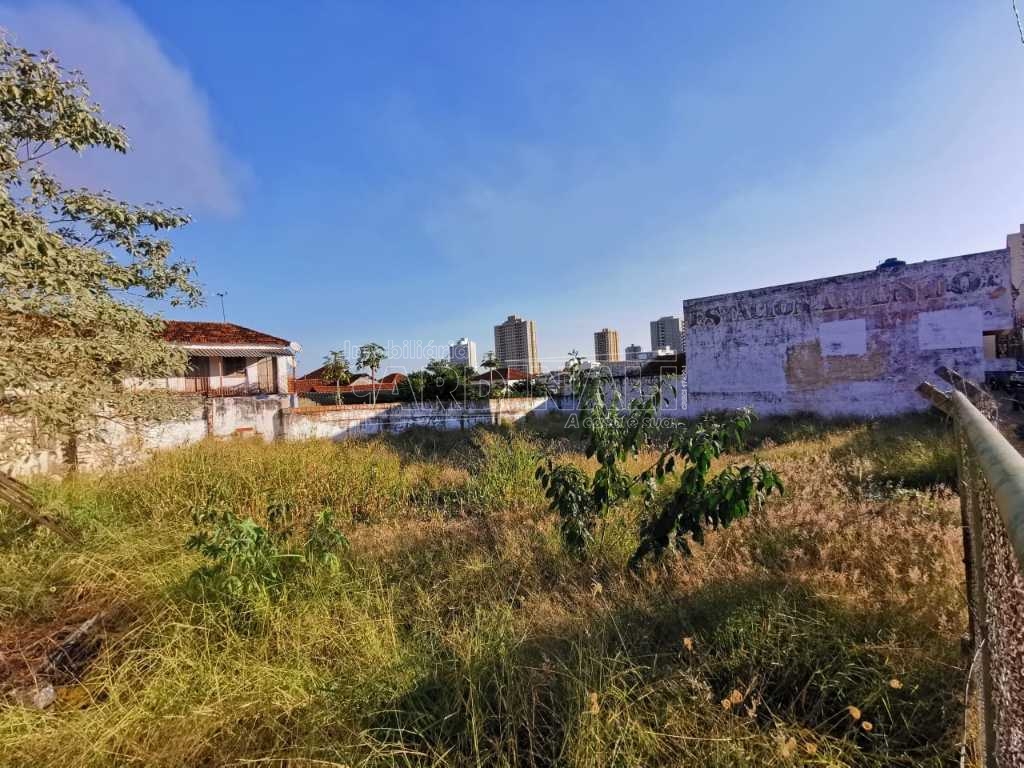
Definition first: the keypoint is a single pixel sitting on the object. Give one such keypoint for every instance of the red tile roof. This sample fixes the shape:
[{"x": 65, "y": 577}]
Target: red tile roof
[
  {"x": 389, "y": 383},
  {"x": 502, "y": 374},
  {"x": 319, "y": 374},
  {"x": 190, "y": 332}
]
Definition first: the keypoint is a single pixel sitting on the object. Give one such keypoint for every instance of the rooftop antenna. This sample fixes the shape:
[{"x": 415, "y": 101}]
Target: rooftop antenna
[{"x": 223, "y": 315}]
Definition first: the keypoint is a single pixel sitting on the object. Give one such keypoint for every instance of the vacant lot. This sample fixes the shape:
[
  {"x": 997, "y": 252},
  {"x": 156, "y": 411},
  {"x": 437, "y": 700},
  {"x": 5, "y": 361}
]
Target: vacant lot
[{"x": 453, "y": 630}]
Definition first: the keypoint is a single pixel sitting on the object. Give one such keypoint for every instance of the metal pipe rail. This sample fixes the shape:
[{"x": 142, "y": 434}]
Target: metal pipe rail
[{"x": 1002, "y": 465}]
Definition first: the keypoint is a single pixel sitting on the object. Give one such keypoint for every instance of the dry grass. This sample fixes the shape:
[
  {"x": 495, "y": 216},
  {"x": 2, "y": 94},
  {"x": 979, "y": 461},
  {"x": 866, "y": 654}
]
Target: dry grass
[{"x": 457, "y": 633}]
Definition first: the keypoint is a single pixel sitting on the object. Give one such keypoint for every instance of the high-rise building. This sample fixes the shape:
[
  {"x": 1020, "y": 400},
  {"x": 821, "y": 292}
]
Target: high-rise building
[
  {"x": 463, "y": 352},
  {"x": 606, "y": 346},
  {"x": 515, "y": 344},
  {"x": 633, "y": 352},
  {"x": 668, "y": 333}
]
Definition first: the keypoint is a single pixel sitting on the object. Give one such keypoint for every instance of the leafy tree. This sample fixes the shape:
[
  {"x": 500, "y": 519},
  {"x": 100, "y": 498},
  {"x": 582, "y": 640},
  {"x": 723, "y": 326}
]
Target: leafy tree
[
  {"x": 74, "y": 264},
  {"x": 613, "y": 435},
  {"x": 370, "y": 357},
  {"x": 447, "y": 380},
  {"x": 414, "y": 386},
  {"x": 439, "y": 380},
  {"x": 336, "y": 369},
  {"x": 490, "y": 362}
]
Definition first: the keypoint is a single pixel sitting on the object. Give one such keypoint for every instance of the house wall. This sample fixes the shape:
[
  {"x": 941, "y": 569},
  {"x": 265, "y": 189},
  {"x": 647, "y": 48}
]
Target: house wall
[
  {"x": 853, "y": 344},
  {"x": 248, "y": 376}
]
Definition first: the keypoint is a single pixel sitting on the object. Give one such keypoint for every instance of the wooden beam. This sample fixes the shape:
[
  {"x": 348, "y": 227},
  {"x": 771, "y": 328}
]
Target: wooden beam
[{"x": 936, "y": 397}]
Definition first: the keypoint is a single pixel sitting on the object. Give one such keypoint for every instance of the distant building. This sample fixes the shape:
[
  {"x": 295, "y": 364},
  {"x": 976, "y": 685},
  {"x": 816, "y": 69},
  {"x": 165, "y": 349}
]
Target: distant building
[
  {"x": 515, "y": 344},
  {"x": 668, "y": 333},
  {"x": 606, "y": 346},
  {"x": 463, "y": 352},
  {"x": 633, "y": 352}
]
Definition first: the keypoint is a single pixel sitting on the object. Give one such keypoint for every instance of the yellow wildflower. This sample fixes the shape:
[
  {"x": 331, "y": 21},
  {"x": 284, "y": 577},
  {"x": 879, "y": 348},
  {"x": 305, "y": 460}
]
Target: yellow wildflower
[{"x": 787, "y": 747}]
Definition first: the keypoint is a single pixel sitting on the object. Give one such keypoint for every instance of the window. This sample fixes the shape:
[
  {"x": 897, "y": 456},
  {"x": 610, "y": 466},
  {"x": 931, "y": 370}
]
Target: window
[
  {"x": 232, "y": 366},
  {"x": 198, "y": 367}
]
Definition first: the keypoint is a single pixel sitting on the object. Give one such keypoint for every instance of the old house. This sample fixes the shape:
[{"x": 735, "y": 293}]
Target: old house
[
  {"x": 498, "y": 379},
  {"x": 225, "y": 359}
]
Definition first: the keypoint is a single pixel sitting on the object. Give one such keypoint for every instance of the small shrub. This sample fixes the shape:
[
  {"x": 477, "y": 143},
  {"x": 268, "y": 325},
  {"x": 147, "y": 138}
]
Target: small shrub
[
  {"x": 568, "y": 488},
  {"x": 249, "y": 561},
  {"x": 324, "y": 541},
  {"x": 613, "y": 436}
]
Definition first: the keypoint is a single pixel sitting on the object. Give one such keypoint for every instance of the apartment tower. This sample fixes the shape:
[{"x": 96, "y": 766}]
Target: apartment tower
[
  {"x": 463, "y": 352},
  {"x": 668, "y": 333},
  {"x": 515, "y": 344},
  {"x": 606, "y": 346}
]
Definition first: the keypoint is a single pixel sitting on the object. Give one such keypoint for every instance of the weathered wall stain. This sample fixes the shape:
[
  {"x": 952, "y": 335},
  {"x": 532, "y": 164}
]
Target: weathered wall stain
[{"x": 808, "y": 368}]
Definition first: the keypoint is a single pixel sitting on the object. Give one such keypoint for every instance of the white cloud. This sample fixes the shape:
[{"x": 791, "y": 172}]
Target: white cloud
[{"x": 175, "y": 156}]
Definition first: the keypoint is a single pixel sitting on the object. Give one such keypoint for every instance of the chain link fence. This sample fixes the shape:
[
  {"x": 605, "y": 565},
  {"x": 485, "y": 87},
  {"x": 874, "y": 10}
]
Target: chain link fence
[{"x": 991, "y": 487}]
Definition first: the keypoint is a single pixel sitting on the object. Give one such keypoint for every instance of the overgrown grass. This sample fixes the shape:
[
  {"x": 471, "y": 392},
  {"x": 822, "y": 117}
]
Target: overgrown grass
[{"x": 456, "y": 632}]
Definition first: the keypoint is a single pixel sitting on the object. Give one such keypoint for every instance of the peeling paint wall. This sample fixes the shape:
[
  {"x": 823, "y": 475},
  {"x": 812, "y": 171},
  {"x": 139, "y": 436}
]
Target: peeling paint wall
[
  {"x": 853, "y": 344},
  {"x": 267, "y": 417},
  {"x": 117, "y": 444}
]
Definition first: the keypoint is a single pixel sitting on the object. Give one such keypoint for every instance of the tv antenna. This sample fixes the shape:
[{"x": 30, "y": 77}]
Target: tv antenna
[{"x": 223, "y": 314}]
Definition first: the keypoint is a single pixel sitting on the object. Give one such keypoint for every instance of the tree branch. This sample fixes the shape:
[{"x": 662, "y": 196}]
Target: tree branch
[
  {"x": 37, "y": 155},
  {"x": 1016, "y": 15}
]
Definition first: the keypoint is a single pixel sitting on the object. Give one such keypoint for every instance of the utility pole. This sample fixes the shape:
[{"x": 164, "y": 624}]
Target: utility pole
[{"x": 223, "y": 314}]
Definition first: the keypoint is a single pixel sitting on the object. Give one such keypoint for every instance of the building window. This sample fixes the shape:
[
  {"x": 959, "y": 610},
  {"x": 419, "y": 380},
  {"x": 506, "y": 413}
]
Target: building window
[
  {"x": 1000, "y": 345},
  {"x": 232, "y": 366},
  {"x": 198, "y": 367}
]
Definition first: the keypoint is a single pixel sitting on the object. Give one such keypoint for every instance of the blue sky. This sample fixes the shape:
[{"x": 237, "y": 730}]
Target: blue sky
[{"x": 418, "y": 171}]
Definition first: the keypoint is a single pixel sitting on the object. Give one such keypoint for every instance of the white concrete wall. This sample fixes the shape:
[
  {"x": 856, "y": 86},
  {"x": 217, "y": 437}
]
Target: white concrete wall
[
  {"x": 673, "y": 393},
  {"x": 853, "y": 344},
  {"x": 267, "y": 417},
  {"x": 116, "y": 444},
  {"x": 1015, "y": 245},
  {"x": 335, "y": 422}
]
